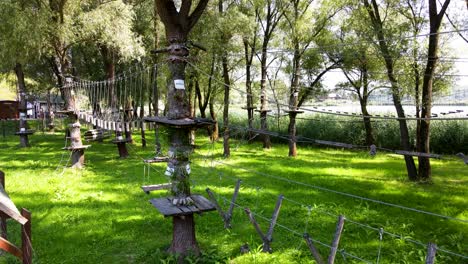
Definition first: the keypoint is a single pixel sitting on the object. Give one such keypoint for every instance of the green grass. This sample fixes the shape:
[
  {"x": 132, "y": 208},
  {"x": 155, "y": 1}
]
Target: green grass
[{"x": 100, "y": 214}]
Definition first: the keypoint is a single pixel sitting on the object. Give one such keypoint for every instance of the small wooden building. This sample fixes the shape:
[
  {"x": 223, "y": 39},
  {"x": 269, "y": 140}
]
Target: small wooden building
[{"x": 9, "y": 109}]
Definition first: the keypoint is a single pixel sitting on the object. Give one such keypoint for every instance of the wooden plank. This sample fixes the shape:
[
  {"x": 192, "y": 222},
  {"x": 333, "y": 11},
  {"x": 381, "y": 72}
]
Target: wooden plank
[
  {"x": 156, "y": 187},
  {"x": 165, "y": 206},
  {"x": 156, "y": 160},
  {"x": 202, "y": 203},
  {"x": 180, "y": 123},
  {"x": 335, "y": 144},
  {"x": 418, "y": 154},
  {"x": 10, "y": 248},
  {"x": 8, "y": 207}
]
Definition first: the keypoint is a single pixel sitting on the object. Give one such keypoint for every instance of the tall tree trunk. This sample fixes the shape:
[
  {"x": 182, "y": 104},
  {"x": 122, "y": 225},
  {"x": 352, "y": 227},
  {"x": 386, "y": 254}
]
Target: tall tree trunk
[
  {"x": 202, "y": 103},
  {"x": 215, "y": 132},
  {"x": 142, "y": 127},
  {"x": 227, "y": 85},
  {"x": 367, "y": 122},
  {"x": 435, "y": 20},
  {"x": 249, "y": 52},
  {"x": 178, "y": 24},
  {"x": 24, "y": 141},
  {"x": 263, "y": 99},
  {"x": 50, "y": 114},
  {"x": 293, "y": 101},
  {"x": 373, "y": 11},
  {"x": 363, "y": 100}
]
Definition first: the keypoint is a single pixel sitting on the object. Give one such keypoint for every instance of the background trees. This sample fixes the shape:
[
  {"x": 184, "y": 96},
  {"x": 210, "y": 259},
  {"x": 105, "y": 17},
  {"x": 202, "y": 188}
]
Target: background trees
[{"x": 253, "y": 48}]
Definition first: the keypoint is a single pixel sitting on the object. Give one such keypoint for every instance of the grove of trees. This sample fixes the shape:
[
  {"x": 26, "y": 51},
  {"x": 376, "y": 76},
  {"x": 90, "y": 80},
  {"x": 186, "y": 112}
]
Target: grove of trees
[{"x": 270, "y": 52}]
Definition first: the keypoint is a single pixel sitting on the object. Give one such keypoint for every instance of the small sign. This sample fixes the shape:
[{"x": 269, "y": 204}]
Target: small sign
[{"x": 179, "y": 84}]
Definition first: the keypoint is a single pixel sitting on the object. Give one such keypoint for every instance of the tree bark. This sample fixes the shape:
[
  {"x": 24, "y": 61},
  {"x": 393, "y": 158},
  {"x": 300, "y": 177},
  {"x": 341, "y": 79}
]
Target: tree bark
[
  {"x": 24, "y": 140},
  {"x": 377, "y": 24},
  {"x": 293, "y": 100},
  {"x": 227, "y": 86},
  {"x": 178, "y": 25},
  {"x": 249, "y": 49},
  {"x": 435, "y": 20}
]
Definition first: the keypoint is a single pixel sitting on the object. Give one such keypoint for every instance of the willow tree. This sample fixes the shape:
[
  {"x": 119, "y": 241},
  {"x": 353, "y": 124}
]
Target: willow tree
[
  {"x": 178, "y": 23},
  {"x": 22, "y": 33},
  {"x": 112, "y": 33}
]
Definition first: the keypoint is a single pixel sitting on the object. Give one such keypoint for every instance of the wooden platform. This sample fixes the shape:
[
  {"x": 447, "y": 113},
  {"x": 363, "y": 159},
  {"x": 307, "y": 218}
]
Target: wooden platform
[
  {"x": 119, "y": 141},
  {"x": 293, "y": 111},
  {"x": 26, "y": 132},
  {"x": 262, "y": 111},
  {"x": 181, "y": 123},
  {"x": 418, "y": 154},
  {"x": 77, "y": 148},
  {"x": 65, "y": 112},
  {"x": 334, "y": 144},
  {"x": 248, "y": 108},
  {"x": 156, "y": 187},
  {"x": 156, "y": 160},
  {"x": 165, "y": 207}
]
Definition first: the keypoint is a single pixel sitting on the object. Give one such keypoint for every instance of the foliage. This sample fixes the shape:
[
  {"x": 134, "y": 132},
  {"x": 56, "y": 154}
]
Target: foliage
[{"x": 110, "y": 24}]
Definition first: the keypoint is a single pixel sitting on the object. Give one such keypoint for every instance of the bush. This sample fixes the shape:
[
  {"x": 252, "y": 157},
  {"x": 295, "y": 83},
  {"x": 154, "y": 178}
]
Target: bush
[{"x": 447, "y": 137}]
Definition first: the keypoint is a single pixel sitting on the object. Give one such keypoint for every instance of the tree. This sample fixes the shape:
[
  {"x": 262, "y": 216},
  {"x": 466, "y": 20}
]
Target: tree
[
  {"x": 302, "y": 34},
  {"x": 22, "y": 34},
  {"x": 435, "y": 22},
  {"x": 359, "y": 67},
  {"x": 388, "y": 56},
  {"x": 178, "y": 25},
  {"x": 268, "y": 14}
]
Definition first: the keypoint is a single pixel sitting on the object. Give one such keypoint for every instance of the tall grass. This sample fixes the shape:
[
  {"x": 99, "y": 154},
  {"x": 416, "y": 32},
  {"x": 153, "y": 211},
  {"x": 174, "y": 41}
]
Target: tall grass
[{"x": 447, "y": 137}]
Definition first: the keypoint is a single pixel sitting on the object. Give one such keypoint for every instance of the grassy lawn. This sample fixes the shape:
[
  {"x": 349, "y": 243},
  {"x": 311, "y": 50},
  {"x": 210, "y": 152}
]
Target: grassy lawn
[{"x": 100, "y": 214}]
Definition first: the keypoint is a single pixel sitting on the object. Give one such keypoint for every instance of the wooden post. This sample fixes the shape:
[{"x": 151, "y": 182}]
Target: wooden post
[
  {"x": 227, "y": 216},
  {"x": 26, "y": 245},
  {"x": 313, "y": 249},
  {"x": 268, "y": 238},
  {"x": 431, "y": 253},
  {"x": 77, "y": 157},
  {"x": 336, "y": 239},
  {"x": 3, "y": 222},
  {"x": 274, "y": 218}
]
